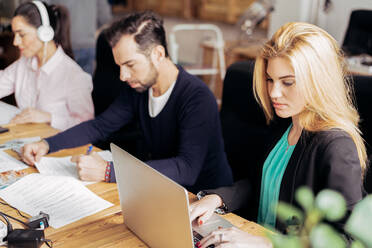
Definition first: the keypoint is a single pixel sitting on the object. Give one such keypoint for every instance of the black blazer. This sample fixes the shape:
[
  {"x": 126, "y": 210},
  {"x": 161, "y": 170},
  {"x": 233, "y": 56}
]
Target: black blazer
[{"x": 320, "y": 160}]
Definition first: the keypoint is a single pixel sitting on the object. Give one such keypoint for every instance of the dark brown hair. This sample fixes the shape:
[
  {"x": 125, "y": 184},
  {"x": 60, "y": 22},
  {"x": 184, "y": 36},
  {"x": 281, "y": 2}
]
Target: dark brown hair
[
  {"x": 59, "y": 19},
  {"x": 147, "y": 28}
]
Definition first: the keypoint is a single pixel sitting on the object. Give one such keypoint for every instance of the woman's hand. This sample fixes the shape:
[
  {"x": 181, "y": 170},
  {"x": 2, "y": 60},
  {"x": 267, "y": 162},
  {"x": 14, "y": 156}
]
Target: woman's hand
[
  {"x": 234, "y": 238},
  {"x": 203, "y": 209},
  {"x": 31, "y": 115}
]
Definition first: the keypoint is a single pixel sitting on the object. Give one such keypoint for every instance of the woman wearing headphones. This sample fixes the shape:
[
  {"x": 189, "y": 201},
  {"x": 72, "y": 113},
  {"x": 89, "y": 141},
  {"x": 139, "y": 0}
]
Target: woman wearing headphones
[{"x": 49, "y": 86}]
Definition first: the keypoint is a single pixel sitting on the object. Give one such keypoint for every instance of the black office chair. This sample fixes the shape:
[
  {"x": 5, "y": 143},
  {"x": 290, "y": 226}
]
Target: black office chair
[
  {"x": 358, "y": 38},
  {"x": 106, "y": 87},
  {"x": 243, "y": 122},
  {"x": 363, "y": 95},
  {"x": 246, "y": 135}
]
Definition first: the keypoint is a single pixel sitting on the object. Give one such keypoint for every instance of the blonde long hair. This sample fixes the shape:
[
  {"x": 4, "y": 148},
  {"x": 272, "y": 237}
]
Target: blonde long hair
[{"x": 320, "y": 73}]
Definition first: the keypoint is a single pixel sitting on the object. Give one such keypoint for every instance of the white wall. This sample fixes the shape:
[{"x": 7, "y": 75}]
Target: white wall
[
  {"x": 292, "y": 11},
  {"x": 335, "y": 21}
]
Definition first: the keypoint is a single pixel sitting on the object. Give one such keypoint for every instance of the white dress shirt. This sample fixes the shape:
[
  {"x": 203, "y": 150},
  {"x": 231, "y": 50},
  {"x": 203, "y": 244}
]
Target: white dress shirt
[{"x": 59, "y": 87}]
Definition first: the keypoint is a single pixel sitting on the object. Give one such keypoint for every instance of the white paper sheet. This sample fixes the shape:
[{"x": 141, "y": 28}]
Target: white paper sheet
[
  {"x": 65, "y": 199},
  {"x": 16, "y": 144},
  {"x": 8, "y": 163},
  {"x": 7, "y": 112},
  {"x": 62, "y": 166}
]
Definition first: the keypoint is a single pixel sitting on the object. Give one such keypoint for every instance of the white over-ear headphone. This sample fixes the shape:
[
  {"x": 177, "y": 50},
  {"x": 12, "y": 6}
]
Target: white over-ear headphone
[{"x": 45, "y": 32}]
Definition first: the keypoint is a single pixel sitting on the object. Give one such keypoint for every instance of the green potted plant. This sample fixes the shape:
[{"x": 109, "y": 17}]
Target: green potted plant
[{"x": 307, "y": 228}]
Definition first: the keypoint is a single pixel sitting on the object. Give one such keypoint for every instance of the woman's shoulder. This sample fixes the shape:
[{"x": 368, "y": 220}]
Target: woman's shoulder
[
  {"x": 69, "y": 62},
  {"x": 330, "y": 139},
  {"x": 332, "y": 150},
  {"x": 22, "y": 61},
  {"x": 331, "y": 134},
  {"x": 72, "y": 69},
  {"x": 18, "y": 67},
  {"x": 65, "y": 61}
]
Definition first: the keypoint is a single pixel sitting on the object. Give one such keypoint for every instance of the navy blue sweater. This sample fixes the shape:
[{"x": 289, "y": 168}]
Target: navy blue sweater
[{"x": 184, "y": 141}]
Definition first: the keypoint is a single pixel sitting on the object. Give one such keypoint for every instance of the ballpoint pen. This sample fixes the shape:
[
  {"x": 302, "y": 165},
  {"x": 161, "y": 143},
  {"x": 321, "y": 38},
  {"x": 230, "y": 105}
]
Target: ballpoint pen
[{"x": 89, "y": 150}]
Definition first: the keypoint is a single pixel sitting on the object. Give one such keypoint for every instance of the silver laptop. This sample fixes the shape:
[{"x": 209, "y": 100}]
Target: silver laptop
[{"x": 154, "y": 207}]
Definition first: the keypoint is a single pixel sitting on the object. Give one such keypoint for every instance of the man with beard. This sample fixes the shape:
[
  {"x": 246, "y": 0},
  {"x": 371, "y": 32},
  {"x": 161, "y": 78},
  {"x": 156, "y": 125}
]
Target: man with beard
[{"x": 177, "y": 113}]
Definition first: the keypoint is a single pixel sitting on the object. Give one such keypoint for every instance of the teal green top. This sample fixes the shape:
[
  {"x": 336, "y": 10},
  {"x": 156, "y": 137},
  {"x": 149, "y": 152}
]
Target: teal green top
[{"x": 272, "y": 174}]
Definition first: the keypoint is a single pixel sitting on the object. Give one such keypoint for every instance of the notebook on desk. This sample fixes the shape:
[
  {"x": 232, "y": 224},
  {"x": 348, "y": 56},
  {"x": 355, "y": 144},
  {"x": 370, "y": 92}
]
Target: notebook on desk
[{"x": 154, "y": 207}]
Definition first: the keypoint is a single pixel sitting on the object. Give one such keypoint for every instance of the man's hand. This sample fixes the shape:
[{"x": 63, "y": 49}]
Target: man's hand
[
  {"x": 90, "y": 167},
  {"x": 32, "y": 153},
  {"x": 31, "y": 115}
]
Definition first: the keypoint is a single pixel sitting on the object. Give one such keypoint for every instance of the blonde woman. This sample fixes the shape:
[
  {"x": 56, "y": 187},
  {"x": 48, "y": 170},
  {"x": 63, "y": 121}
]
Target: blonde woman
[{"x": 300, "y": 75}]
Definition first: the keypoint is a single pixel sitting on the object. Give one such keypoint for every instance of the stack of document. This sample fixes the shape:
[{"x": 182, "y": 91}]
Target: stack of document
[
  {"x": 56, "y": 190},
  {"x": 8, "y": 163},
  {"x": 9, "y": 166},
  {"x": 7, "y": 112},
  {"x": 65, "y": 199},
  {"x": 17, "y": 144}
]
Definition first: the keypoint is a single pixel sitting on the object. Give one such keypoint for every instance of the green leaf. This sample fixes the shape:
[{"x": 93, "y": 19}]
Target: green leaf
[
  {"x": 285, "y": 212},
  {"x": 324, "y": 236},
  {"x": 359, "y": 223},
  {"x": 285, "y": 241},
  {"x": 331, "y": 203},
  {"x": 313, "y": 217},
  {"x": 305, "y": 197},
  {"x": 357, "y": 244}
]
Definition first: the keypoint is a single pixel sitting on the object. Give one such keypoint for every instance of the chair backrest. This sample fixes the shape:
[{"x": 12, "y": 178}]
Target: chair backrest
[
  {"x": 106, "y": 87},
  {"x": 363, "y": 96},
  {"x": 243, "y": 122},
  {"x": 358, "y": 38},
  {"x": 246, "y": 135},
  {"x": 106, "y": 80},
  {"x": 218, "y": 44}
]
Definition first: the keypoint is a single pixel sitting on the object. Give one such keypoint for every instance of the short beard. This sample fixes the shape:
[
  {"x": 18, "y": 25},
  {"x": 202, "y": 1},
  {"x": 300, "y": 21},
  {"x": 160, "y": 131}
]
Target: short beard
[
  {"x": 150, "y": 81},
  {"x": 143, "y": 88}
]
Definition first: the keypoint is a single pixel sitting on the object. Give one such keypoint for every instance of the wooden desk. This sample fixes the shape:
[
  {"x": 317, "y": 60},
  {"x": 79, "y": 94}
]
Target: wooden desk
[{"x": 103, "y": 229}]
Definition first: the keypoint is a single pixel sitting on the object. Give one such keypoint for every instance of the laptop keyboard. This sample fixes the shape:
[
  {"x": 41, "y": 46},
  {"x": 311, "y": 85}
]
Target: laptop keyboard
[{"x": 197, "y": 237}]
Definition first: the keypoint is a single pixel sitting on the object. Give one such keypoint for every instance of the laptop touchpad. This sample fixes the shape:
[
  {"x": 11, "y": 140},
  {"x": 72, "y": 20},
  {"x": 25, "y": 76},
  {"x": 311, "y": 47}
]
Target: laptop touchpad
[{"x": 212, "y": 224}]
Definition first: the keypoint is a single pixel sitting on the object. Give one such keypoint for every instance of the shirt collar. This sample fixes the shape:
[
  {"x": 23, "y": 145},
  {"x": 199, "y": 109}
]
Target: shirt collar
[{"x": 50, "y": 64}]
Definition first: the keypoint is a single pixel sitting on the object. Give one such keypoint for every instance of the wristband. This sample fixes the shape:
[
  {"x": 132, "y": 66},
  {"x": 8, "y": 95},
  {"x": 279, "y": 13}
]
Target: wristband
[
  {"x": 107, "y": 172},
  {"x": 220, "y": 210}
]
